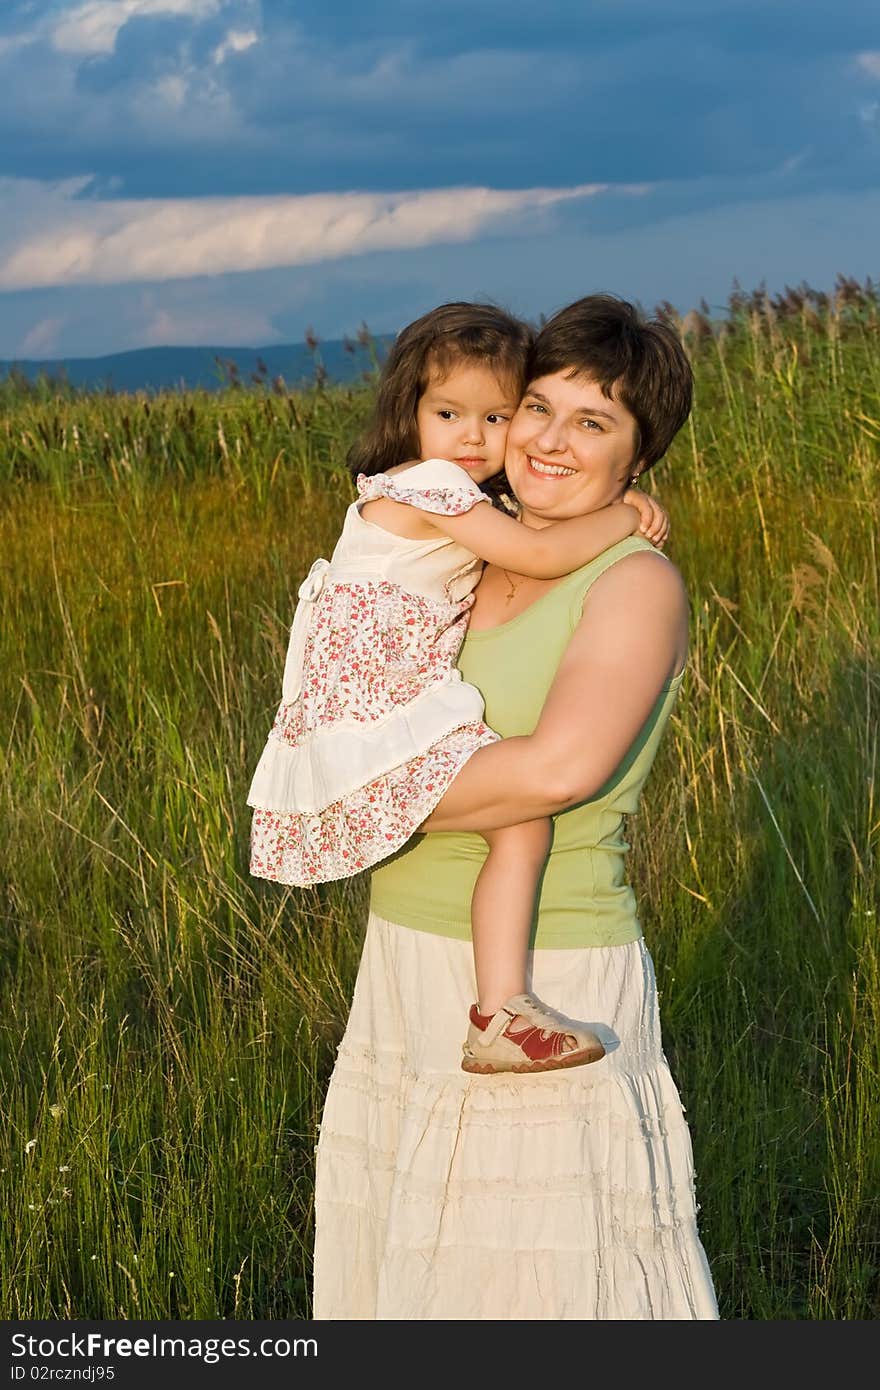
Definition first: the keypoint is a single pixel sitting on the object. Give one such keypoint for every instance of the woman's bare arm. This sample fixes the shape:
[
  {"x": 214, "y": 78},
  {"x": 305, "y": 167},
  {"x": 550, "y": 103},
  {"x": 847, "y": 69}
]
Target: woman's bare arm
[{"x": 630, "y": 640}]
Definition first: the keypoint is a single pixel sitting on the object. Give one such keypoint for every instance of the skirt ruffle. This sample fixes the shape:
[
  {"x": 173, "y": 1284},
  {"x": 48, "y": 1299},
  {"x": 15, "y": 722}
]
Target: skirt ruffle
[
  {"x": 444, "y": 1196},
  {"x": 314, "y": 769},
  {"x": 365, "y": 826}
]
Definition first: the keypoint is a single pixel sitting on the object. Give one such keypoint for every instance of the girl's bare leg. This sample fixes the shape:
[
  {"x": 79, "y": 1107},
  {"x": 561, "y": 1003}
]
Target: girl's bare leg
[{"x": 503, "y": 908}]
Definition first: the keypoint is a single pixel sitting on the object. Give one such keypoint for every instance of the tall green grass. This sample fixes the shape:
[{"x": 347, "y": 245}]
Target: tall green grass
[{"x": 168, "y": 1024}]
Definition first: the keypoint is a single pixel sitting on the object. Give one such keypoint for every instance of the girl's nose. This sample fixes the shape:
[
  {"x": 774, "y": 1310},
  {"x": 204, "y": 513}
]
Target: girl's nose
[{"x": 473, "y": 431}]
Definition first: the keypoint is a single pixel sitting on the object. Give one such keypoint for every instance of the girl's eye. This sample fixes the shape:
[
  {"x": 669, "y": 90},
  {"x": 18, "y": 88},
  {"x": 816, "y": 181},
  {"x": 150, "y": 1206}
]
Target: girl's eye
[
  {"x": 498, "y": 419},
  {"x": 446, "y": 414}
]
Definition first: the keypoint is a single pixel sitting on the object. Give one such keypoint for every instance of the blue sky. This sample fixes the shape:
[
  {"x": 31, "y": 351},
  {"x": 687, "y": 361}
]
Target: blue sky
[{"x": 231, "y": 171}]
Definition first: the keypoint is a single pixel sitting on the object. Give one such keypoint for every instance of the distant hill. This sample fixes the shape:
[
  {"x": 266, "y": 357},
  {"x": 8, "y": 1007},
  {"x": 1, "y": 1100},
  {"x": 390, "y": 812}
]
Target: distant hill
[{"x": 209, "y": 368}]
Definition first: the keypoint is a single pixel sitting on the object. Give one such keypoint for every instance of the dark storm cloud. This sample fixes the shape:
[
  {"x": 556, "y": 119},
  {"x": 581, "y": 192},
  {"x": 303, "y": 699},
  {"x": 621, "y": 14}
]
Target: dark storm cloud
[
  {"x": 404, "y": 96},
  {"x": 147, "y": 48},
  {"x": 754, "y": 126}
]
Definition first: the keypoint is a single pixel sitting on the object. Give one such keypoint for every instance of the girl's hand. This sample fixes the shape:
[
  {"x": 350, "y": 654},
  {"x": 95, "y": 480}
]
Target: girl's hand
[{"x": 654, "y": 524}]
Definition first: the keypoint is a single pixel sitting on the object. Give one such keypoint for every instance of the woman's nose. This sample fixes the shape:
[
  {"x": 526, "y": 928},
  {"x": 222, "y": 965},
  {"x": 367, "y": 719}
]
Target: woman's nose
[{"x": 550, "y": 438}]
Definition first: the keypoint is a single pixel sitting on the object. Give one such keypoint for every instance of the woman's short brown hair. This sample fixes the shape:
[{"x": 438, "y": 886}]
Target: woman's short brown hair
[{"x": 639, "y": 360}]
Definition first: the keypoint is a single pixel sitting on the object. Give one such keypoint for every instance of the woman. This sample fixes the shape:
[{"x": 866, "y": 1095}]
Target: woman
[{"x": 568, "y": 1195}]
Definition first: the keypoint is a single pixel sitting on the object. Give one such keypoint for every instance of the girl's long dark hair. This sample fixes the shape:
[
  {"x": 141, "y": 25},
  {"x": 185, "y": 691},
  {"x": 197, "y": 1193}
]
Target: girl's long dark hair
[{"x": 439, "y": 340}]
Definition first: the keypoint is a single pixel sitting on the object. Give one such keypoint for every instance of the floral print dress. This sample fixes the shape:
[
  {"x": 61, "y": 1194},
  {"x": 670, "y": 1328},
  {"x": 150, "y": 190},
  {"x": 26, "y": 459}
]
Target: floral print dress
[{"x": 375, "y": 720}]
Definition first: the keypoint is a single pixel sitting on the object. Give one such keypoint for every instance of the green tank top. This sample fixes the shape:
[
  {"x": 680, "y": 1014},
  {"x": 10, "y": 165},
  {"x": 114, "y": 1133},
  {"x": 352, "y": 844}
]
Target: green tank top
[{"x": 584, "y": 899}]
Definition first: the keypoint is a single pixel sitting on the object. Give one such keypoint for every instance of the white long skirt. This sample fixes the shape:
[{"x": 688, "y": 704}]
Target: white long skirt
[{"x": 441, "y": 1195}]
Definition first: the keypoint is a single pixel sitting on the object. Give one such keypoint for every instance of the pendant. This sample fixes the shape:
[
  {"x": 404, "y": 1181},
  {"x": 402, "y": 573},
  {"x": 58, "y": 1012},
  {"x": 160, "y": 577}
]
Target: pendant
[{"x": 513, "y": 587}]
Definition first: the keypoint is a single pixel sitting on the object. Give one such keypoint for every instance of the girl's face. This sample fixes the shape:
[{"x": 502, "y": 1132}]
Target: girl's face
[
  {"x": 570, "y": 449},
  {"x": 463, "y": 416}
]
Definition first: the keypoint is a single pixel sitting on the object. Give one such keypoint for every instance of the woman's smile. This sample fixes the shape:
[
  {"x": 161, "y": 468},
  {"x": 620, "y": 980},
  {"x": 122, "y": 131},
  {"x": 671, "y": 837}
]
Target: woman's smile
[{"x": 549, "y": 470}]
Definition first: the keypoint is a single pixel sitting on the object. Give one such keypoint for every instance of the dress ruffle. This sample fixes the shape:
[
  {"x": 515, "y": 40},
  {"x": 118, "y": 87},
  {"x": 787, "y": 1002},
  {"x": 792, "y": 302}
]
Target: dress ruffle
[
  {"x": 365, "y": 826},
  {"x": 310, "y": 775},
  {"x": 436, "y": 486},
  {"x": 568, "y": 1195}
]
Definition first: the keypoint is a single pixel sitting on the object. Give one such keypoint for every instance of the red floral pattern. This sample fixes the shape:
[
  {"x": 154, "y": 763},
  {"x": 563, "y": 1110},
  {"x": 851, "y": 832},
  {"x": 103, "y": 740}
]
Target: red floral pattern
[
  {"x": 445, "y": 501},
  {"x": 360, "y": 830},
  {"x": 372, "y": 647}
]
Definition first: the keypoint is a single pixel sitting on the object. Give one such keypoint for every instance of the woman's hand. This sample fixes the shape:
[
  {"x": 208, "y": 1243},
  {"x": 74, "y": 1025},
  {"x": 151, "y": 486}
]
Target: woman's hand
[{"x": 654, "y": 524}]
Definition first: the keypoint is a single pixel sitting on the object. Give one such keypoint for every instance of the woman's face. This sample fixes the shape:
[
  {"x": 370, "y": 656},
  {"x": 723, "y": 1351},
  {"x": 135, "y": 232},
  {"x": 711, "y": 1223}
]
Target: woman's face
[{"x": 570, "y": 449}]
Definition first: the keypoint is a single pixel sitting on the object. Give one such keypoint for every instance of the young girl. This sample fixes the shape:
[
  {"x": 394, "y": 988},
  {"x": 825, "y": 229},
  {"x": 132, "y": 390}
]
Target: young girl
[{"x": 375, "y": 721}]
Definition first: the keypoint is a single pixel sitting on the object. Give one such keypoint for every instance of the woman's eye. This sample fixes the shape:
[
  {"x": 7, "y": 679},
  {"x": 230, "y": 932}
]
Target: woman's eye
[
  {"x": 591, "y": 424},
  {"x": 537, "y": 407}
]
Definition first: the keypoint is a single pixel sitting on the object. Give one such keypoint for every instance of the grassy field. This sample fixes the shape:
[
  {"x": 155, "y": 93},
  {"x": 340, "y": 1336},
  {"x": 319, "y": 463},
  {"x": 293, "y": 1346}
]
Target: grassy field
[{"x": 168, "y": 1024}]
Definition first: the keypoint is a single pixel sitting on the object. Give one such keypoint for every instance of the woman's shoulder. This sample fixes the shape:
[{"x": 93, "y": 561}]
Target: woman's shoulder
[
  {"x": 639, "y": 597},
  {"x": 642, "y": 567},
  {"x": 633, "y": 557},
  {"x": 631, "y": 562}
]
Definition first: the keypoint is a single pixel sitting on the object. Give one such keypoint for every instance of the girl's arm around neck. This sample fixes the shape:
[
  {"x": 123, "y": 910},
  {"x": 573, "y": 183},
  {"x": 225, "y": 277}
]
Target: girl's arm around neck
[
  {"x": 631, "y": 639},
  {"x": 546, "y": 554}
]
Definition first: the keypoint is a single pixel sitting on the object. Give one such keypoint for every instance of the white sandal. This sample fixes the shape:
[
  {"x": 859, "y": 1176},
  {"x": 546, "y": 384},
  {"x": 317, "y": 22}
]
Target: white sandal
[{"x": 527, "y": 1036}]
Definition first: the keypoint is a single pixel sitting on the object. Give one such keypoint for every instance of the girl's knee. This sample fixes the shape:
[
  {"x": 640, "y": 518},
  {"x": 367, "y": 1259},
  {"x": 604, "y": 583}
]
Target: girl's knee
[{"x": 531, "y": 839}]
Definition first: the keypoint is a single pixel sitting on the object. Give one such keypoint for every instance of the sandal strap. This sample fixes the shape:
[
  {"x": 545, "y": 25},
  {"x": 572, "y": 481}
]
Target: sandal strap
[
  {"x": 537, "y": 1013},
  {"x": 498, "y": 1023}
]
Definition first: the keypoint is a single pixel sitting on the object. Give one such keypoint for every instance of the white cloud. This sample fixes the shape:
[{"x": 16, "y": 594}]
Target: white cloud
[
  {"x": 236, "y": 41},
  {"x": 62, "y": 240},
  {"x": 91, "y": 27},
  {"x": 221, "y": 324},
  {"x": 14, "y": 41},
  {"x": 869, "y": 62},
  {"x": 41, "y": 340},
  {"x": 171, "y": 90}
]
